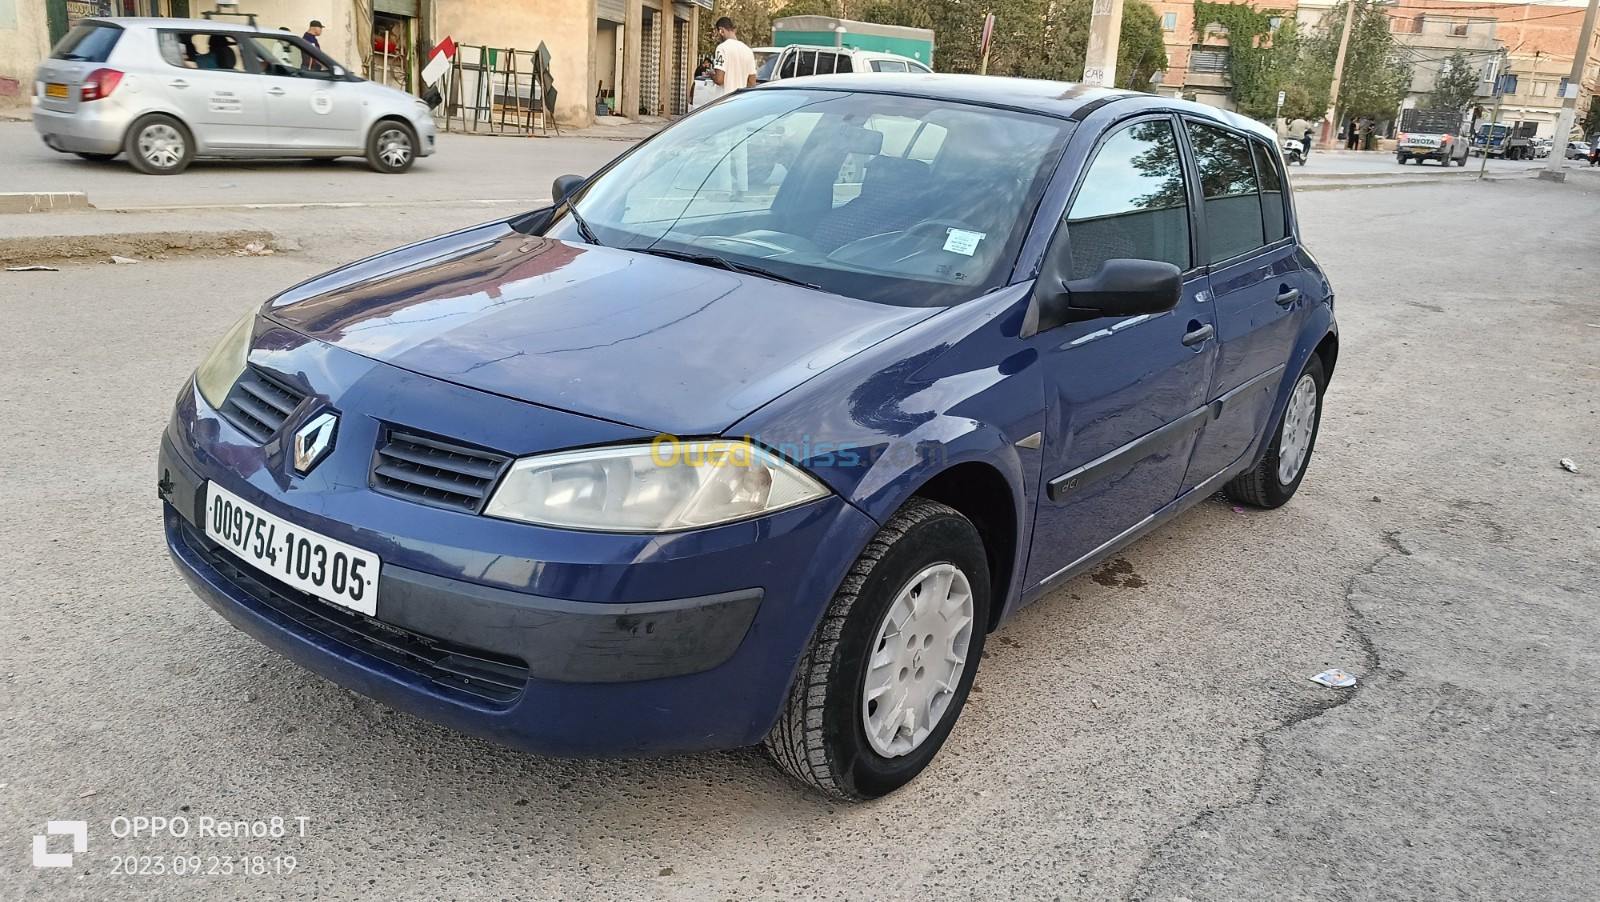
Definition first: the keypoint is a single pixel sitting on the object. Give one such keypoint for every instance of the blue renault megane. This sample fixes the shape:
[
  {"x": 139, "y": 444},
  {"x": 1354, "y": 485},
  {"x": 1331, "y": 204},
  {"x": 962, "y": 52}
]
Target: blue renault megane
[{"x": 753, "y": 436}]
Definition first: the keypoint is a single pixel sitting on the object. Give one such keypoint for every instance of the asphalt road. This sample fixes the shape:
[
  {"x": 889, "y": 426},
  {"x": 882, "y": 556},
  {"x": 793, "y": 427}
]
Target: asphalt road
[{"x": 1146, "y": 732}]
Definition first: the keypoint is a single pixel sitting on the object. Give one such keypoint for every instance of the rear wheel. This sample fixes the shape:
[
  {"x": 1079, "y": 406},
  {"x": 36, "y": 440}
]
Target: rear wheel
[
  {"x": 893, "y": 660},
  {"x": 159, "y": 145},
  {"x": 1274, "y": 481},
  {"x": 1461, "y": 160},
  {"x": 392, "y": 147}
]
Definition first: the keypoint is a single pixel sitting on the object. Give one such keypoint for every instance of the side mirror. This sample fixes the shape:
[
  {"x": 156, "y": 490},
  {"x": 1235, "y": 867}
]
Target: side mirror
[
  {"x": 1118, "y": 288},
  {"x": 564, "y": 187}
]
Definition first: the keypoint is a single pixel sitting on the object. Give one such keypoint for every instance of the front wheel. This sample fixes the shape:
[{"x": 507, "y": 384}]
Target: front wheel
[
  {"x": 892, "y": 662},
  {"x": 1274, "y": 481},
  {"x": 392, "y": 147}
]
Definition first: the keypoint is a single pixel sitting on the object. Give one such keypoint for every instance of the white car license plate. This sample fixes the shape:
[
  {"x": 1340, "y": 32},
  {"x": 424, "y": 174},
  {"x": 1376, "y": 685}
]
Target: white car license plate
[{"x": 308, "y": 561}]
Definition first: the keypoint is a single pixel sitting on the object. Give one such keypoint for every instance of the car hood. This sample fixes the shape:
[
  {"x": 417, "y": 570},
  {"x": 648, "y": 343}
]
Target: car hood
[{"x": 645, "y": 341}]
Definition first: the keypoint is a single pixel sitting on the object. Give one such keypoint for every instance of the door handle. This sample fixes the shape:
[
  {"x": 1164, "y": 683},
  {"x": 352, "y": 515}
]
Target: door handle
[
  {"x": 1198, "y": 336},
  {"x": 178, "y": 83},
  {"x": 1289, "y": 296},
  {"x": 276, "y": 92}
]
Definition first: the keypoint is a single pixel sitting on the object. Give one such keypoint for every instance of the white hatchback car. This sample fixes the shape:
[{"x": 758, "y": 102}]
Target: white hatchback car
[
  {"x": 165, "y": 91},
  {"x": 798, "y": 60}
]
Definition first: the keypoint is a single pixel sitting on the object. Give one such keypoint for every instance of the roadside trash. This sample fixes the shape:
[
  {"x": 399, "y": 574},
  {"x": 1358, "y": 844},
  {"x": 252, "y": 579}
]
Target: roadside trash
[
  {"x": 254, "y": 249},
  {"x": 123, "y": 260},
  {"x": 35, "y": 268},
  {"x": 1569, "y": 465},
  {"x": 87, "y": 793},
  {"x": 1335, "y": 679},
  {"x": 1238, "y": 510},
  {"x": 1377, "y": 499}
]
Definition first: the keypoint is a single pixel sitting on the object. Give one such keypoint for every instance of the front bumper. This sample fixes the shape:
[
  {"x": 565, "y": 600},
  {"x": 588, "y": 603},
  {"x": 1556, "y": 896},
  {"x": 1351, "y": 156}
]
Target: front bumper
[
  {"x": 96, "y": 127},
  {"x": 655, "y": 645}
]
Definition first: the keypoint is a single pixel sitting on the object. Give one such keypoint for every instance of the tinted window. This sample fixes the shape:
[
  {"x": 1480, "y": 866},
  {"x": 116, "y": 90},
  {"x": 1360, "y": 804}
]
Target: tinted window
[
  {"x": 1272, "y": 207},
  {"x": 844, "y": 64},
  {"x": 88, "y": 42},
  {"x": 1232, "y": 196},
  {"x": 1132, "y": 203}
]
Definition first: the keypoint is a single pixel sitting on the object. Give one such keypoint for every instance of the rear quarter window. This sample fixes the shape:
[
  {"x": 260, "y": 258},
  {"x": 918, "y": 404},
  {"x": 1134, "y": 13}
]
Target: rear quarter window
[{"x": 87, "y": 42}]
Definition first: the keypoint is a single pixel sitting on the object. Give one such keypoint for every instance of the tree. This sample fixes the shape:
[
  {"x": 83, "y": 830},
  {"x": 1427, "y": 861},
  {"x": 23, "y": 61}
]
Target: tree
[
  {"x": 1263, "y": 60},
  {"x": 1456, "y": 86},
  {"x": 1376, "y": 77},
  {"x": 1048, "y": 39}
]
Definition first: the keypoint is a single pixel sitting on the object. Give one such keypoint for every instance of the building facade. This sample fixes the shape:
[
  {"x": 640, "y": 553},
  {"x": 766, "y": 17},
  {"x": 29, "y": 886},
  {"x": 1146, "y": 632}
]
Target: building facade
[{"x": 635, "y": 55}]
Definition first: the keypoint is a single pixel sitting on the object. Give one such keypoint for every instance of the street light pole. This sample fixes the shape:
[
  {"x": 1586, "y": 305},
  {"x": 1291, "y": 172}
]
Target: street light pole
[
  {"x": 1569, "y": 105},
  {"x": 1338, "y": 75}
]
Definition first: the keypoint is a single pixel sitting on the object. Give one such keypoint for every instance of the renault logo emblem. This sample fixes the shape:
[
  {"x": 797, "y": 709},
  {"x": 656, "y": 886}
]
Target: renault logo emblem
[{"x": 313, "y": 442}]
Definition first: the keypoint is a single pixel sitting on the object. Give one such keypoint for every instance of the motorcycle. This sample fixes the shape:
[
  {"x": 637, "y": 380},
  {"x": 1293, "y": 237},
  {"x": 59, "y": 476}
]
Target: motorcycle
[{"x": 1294, "y": 151}]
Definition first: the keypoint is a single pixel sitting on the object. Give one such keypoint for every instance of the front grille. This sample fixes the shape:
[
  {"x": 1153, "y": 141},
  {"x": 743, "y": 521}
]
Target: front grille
[
  {"x": 258, "y": 404},
  {"x": 435, "y": 471},
  {"x": 448, "y": 668}
]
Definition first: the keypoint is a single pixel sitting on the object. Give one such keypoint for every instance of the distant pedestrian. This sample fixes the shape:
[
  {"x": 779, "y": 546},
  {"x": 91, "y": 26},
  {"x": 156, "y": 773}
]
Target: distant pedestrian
[
  {"x": 703, "y": 89},
  {"x": 313, "y": 31},
  {"x": 734, "y": 66},
  {"x": 1305, "y": 140},
  {"x": 1352, "y": 135}
]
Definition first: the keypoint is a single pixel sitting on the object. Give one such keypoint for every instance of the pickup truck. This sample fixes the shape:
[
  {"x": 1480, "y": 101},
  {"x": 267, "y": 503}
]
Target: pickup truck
[{"x": 1430, "y": 135}]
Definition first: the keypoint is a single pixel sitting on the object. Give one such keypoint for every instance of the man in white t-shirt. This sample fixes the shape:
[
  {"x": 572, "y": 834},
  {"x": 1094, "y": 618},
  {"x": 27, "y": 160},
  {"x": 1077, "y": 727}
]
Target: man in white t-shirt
[{"x": 734, "y": 66}]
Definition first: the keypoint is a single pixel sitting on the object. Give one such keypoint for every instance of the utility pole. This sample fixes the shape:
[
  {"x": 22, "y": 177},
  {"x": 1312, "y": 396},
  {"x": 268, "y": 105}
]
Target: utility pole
[
  {"x": 1332, "y": 127},
  {"x": 983, "y": 48},
  {"x": 1569, "y": 105},
  {"x": 1494, "y": 118},
  {"x": 1105, "y": 31}
]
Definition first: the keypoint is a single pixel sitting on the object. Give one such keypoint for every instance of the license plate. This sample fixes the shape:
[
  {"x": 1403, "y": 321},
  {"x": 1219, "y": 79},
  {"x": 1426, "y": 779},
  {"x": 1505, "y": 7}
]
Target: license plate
[
  {"x": 55, "y": 90},
  {"x": 311, "y": 562}
]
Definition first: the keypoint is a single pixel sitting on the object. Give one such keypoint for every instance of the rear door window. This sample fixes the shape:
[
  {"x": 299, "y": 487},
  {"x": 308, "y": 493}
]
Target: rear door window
[
  {"x": 1232, "y": 194},
  {"x": 88, "y": 42},
  {"x": 888, "y": 66},
  {"x": 1133, "y": 202},
  {"x": 1273, "y": 210}
]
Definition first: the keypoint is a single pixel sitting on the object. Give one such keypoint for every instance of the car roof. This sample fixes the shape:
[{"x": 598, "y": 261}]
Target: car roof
[
  {"x": 884, "y": 54},
  {"x": 1051, "y": 98},
  {"x": 185, "y": 24}
]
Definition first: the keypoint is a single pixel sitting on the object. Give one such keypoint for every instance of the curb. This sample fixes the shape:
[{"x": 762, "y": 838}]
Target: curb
[
  {"x": 43, "y": 201},
  {"x": 137, "y": 245}
]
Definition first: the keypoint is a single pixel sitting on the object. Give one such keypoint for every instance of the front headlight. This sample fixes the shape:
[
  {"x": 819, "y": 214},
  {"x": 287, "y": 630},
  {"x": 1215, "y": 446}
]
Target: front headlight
[
  {"x": 660, "y": 487},
  {"x": 222, "y": 366}
]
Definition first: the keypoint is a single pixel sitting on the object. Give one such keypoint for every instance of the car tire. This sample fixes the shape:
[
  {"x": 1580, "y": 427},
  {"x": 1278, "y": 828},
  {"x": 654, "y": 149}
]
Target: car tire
[
  {"x": 1461, "y": 160},
  {"x": 158, "y": 144},
  {"x": 96, "y": 157},
  {"x": 391, "y": 147},
  {"x": 1400, "y": 159},
  {"x": 821, "y": 738},
  {"x": 1274, "y": 481}
]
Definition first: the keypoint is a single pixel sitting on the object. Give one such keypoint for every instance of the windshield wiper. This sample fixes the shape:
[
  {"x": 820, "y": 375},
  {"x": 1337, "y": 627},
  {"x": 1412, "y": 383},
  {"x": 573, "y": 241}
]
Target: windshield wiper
[
  {"x": 583, "y": 227},
  {"x": 724, "y": 263}
]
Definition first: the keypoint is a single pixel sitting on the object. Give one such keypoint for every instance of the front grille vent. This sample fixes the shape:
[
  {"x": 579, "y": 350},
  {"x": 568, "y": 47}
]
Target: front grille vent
[
  {"x": 435, "y": 471},
  {"x": 258, "y": 404}
]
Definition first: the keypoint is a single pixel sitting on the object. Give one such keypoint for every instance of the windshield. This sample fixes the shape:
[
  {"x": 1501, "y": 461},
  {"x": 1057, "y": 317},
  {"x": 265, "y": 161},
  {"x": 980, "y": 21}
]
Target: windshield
[{"x": 881, "y": 197}]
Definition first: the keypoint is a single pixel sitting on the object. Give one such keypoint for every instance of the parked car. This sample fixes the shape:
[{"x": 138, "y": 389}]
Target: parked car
[
  {"x": 168, "y": 91},
  {"x": 800, "y": 60},
  {"x": 688, "y": 462},
  {"x": 1542, "y": 147},
  {"x": 1577, "y": 150}
]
